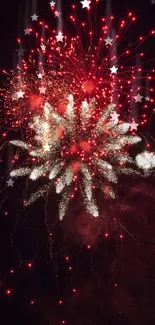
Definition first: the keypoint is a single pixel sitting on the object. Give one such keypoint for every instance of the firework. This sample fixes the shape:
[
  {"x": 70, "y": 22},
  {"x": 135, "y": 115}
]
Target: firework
[
  {"x": 76, "y": 98},
  {"x": 78, "y": 154}
]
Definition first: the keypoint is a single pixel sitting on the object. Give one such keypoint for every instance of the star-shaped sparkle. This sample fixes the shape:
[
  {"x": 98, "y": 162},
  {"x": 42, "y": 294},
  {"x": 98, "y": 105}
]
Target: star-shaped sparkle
[
  {"x": 108, "y": 41},
  {"x": 52, "y": 4},
  {"x": 57, "y": 13},
  {"x": 114, "y": 116},
  {"x": 27, "y": 31},
  {"x": 40, "y": 75},
  {"x": 20, "y": 51},
  {"x": 60, "y": 37},
  {"x": 113, "y": 69},
  {"x": 85, "y": 4},
  {"x": 147, "y": 98},
  {"x": 42, "y": 90},
  {"x": 14, "y": 96},
  {"x": 20, "y": 94},
  {"x": 47, "y": 147},
  {"x": 10, "y": 183},
  {"x": 138, "y": 98},
  {"x": 133, "y": 126},
  {"x": 34, "y": 17}
]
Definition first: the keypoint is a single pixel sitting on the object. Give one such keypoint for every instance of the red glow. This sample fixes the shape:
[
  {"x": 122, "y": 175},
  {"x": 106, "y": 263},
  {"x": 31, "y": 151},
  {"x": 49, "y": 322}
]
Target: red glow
[
  {"x": 76, "y": 166},
  {"x": 29, "y": 265},
  {"x": 35, "y": 101},
  {"x": 60, "y": 131},
  {"x": 73, "y": 148},
  {"x": 62, "y": 106},
  {"x": 32, "y": 302},
  {"x": 85, "y": 146},
  {"x": 88, "y": 86},
  {"x": 60, "y": 302}
]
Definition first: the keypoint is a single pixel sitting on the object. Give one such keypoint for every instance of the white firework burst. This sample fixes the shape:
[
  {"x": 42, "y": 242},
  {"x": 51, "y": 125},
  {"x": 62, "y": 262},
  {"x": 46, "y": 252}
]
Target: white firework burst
[{"x": 71, "y": 150}]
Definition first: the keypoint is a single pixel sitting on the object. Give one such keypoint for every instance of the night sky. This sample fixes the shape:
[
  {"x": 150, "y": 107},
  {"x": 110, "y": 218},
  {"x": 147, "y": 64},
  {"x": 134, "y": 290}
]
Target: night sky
[{"x": 81, "y": 271}]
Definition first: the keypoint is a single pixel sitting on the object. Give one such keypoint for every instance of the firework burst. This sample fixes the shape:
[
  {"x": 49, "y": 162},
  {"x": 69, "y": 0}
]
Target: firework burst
[
  {"x": 72, "y": 151},
  {"x": 76, "y": 99}
]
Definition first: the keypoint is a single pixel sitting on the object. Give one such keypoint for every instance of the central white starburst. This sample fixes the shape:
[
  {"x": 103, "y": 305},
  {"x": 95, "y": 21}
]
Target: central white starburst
[{"x": 110, "y": 158}]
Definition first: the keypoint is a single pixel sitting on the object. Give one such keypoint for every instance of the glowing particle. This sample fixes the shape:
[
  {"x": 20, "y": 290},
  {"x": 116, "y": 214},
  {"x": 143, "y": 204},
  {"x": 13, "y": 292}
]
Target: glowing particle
[
  {"x": 60, "y": 302},
  {"x": 29, "y": 265}
]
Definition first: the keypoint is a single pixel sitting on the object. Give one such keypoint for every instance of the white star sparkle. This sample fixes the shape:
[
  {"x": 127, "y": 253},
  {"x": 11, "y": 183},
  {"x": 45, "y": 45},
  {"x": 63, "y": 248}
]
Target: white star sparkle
[
  {"x": 10, "y": 183},
  {"x": 108, "y": 40},
  {"x": 133, "y": 126},
  {"x": 14, "y": 96},
  {"x": 114, "y": 116},
  {"x": 60, "y": 37},
  {"x": 57, "y": 13},
  {"x": 40, "y": 75},
  {"x": 85, "y": 4},
  {"x": 138, "y": 98},
  {"x": 42, "y": 90},
  {"x": 47, "y": 147},
  {"x": 20, "y": 94},
  {"x": 27, "y": 31},
  {"x": 52, "y": 4},
  {"x": 113, "y": 69},
  {"x": 34, "y": 17}
]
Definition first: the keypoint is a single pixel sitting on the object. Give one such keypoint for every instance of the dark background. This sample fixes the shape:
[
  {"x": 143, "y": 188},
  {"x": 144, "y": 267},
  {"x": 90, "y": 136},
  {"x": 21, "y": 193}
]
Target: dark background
[{"x": 114, "y": 276}]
